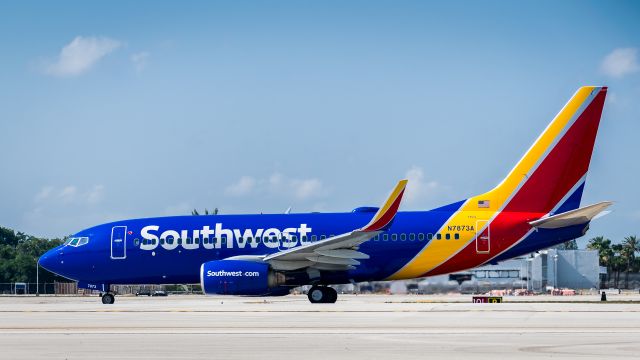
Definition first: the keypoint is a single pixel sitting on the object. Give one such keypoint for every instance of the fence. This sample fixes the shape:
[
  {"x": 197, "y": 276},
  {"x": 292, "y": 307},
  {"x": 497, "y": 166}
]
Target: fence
[
  {"x": 71, "y": 288},
  {"x": 57, "y": 288}
]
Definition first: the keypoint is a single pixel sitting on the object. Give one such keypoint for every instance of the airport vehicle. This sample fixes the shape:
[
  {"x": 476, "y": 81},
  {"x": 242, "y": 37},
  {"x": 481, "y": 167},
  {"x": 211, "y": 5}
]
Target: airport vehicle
[{"x": 536, "y": 206}]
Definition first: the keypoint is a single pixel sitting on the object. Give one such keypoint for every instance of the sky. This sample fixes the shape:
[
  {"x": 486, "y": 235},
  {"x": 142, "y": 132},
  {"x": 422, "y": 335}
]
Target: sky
[{"x": 121, "y": 110}]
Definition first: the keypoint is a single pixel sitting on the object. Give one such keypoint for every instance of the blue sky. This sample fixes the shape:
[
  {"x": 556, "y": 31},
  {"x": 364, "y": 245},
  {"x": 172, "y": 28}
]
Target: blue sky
[{"x": 119, "y": 110}]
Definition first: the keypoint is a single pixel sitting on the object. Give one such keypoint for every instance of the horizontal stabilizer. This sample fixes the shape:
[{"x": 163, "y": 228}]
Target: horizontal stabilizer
[{"x": 573, "y": 217}]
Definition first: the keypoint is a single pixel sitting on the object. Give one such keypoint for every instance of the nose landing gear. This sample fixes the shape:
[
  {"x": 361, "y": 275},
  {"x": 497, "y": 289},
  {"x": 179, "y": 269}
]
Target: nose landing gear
[
  {"x": 108, "y": 298},
  {"x": 322, "y": 295}
]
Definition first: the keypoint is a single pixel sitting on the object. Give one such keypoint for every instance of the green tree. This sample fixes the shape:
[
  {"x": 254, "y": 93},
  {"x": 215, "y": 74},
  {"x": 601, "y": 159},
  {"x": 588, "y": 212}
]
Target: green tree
[
  {"x": 603, "y": 246},
  {"x": 605, "y": 253},
  {"x": 195, "y": 212},
  {"x": 19, "y": 254},
  {"x": 569, "y": 245},
  {"x": 630, "y": 246}
]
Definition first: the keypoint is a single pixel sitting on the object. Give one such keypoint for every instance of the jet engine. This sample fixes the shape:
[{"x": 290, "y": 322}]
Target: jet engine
[{"x": 241, "y": 277}]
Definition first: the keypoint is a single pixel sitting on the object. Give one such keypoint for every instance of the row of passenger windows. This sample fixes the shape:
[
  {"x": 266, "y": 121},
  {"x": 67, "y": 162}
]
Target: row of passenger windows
[
  {"x": 313, "y": 238},
  {"x": 419, "y": 236}
]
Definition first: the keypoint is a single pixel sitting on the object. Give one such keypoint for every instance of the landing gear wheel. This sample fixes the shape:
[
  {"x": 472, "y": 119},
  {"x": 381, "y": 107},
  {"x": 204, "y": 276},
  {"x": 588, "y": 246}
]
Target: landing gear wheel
[
  {"x": 108, "y": 298},
  {"x": 332, "y": 295},
  {"x": 322, "y": 294}
]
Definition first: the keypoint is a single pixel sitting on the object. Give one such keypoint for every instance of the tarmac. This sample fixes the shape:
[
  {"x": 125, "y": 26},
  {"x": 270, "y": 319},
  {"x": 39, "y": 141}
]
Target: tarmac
[{"x": 356, "y": 327}]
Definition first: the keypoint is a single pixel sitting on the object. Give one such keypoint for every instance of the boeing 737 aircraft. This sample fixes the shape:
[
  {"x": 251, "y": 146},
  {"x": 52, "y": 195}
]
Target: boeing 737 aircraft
[{"x": 536, "y": 206}]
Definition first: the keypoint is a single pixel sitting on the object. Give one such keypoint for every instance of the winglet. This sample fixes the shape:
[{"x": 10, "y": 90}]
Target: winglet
[
  {"x": 388, "y": 211},
  {"x": 572, "y": 217}
]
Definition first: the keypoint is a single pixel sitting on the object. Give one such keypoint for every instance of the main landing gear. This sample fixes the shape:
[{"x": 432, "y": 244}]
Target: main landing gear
[
  {"x": 322, "y": 294},
  {"x": 108, "y": 298}
]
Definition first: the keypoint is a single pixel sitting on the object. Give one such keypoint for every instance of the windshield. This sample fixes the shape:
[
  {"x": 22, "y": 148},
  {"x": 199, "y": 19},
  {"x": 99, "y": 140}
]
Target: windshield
[{"x": 77, "y": 241}]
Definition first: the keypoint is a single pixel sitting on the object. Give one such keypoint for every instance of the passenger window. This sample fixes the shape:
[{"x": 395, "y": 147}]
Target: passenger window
[
  {"x": 394, "y": 237},
  {"x": 403, "y": 237},
  {"x": 162, "y": 241},
  {"x": 439, "y": 236},
  {"x": 412, "y": 237},
  {"x": 322, "y": 237},
  {"x": 258, "y": 238},
  {"x": 385, "y": 237},
  {"x": 250, "y": 239},
  {"x": 197, "y": 240},
  {"x": 429, "y": 236},
  {"x": 304, "y": 238},
  {"x": 421, "y": 237},
  {"x": 447, "y": 236},
  {"x": 456, "y": 236},
  {"x": 294, "y": 238},
  {"x": 313, "y": 238}
]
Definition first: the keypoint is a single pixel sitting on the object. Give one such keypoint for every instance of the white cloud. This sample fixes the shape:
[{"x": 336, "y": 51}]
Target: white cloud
[
  {"x": 306, "y": 188},
  {"x": 140, "y": 60},
  {"x": 621, "y": 62},
  {"x": 50, "y": 196},
  {"x": 44, "y": 193},
  {"x": 243, "y": 187},
  {"x": 68, "y": 193},
  {"x": 96, "y": 194},
  {"x": 418, "y": 188},
  {"x": 280, "y": 185},
  {"x": 80, "y": 55}
]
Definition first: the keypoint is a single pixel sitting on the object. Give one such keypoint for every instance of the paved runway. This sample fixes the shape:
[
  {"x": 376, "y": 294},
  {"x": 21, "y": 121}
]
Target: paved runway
[{"x": 357, "y": 327}]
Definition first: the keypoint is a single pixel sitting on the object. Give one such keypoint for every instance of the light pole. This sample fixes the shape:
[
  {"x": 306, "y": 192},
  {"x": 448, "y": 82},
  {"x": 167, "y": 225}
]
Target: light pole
[
  {"x": 555, "y": 271},
  {"x": 529, "y": 271},
  {"x": 38, "y": 277}
]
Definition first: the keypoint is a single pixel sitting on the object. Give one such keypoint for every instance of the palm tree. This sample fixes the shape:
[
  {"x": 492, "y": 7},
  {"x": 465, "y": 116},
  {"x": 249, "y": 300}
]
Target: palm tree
[
  {"x": 603, "y": 246},
  {"x": 630, "y": 246}
]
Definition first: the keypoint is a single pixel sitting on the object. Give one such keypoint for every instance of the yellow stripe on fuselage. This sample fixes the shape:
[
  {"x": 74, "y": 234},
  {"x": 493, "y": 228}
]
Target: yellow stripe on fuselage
[{"x": 437, "y": 252}]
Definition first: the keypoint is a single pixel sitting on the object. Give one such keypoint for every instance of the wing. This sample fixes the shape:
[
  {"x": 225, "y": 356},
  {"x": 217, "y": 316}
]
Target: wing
[
  {"x": 572, "y": 217},
  {"x": 339, "y": 252}
]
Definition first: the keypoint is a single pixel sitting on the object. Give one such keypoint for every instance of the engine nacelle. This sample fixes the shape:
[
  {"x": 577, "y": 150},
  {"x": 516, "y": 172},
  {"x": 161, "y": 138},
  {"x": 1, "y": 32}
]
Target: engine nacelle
[{"x": 239, "y": 277}]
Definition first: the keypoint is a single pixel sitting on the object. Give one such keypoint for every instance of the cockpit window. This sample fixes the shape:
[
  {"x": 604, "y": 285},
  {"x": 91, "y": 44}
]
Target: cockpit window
[{"x": 77, "y": 241}]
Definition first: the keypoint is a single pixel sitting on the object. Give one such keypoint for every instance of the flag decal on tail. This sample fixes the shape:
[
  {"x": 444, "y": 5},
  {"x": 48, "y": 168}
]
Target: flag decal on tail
[{"x": 483, "y": 204}]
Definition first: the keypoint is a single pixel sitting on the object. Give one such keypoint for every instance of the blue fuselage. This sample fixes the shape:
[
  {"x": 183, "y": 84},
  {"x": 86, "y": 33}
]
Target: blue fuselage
[{"x": 170, "y": 250}]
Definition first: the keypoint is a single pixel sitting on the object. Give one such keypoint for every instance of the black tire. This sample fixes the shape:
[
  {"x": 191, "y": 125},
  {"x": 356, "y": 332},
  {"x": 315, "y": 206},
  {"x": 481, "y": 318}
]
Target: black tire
[
  {"x": 331, "y": 295},
  {"x": 108, "y": 299},
  {"x": 316, "y": 295},
  {"x": 322, "y": 295}
]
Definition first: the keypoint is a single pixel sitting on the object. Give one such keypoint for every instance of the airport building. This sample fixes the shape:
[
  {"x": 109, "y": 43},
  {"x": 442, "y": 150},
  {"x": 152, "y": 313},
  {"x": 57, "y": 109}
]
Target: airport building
[{"x": 540, "y": 272}]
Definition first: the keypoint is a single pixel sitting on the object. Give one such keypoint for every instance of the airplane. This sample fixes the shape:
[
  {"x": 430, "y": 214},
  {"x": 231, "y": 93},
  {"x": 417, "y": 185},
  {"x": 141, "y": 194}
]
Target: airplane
[{"x": 536, "y": 206}]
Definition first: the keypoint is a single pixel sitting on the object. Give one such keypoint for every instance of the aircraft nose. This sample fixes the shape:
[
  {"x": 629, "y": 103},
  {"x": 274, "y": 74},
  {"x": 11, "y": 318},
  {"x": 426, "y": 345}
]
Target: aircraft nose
[{"x": 50, "y": 260}]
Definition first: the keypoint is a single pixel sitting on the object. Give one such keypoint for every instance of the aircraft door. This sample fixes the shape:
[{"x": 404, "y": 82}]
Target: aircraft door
[
  {"x": 119, "y": 242},
  {"x": 483, "y": 236}
]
